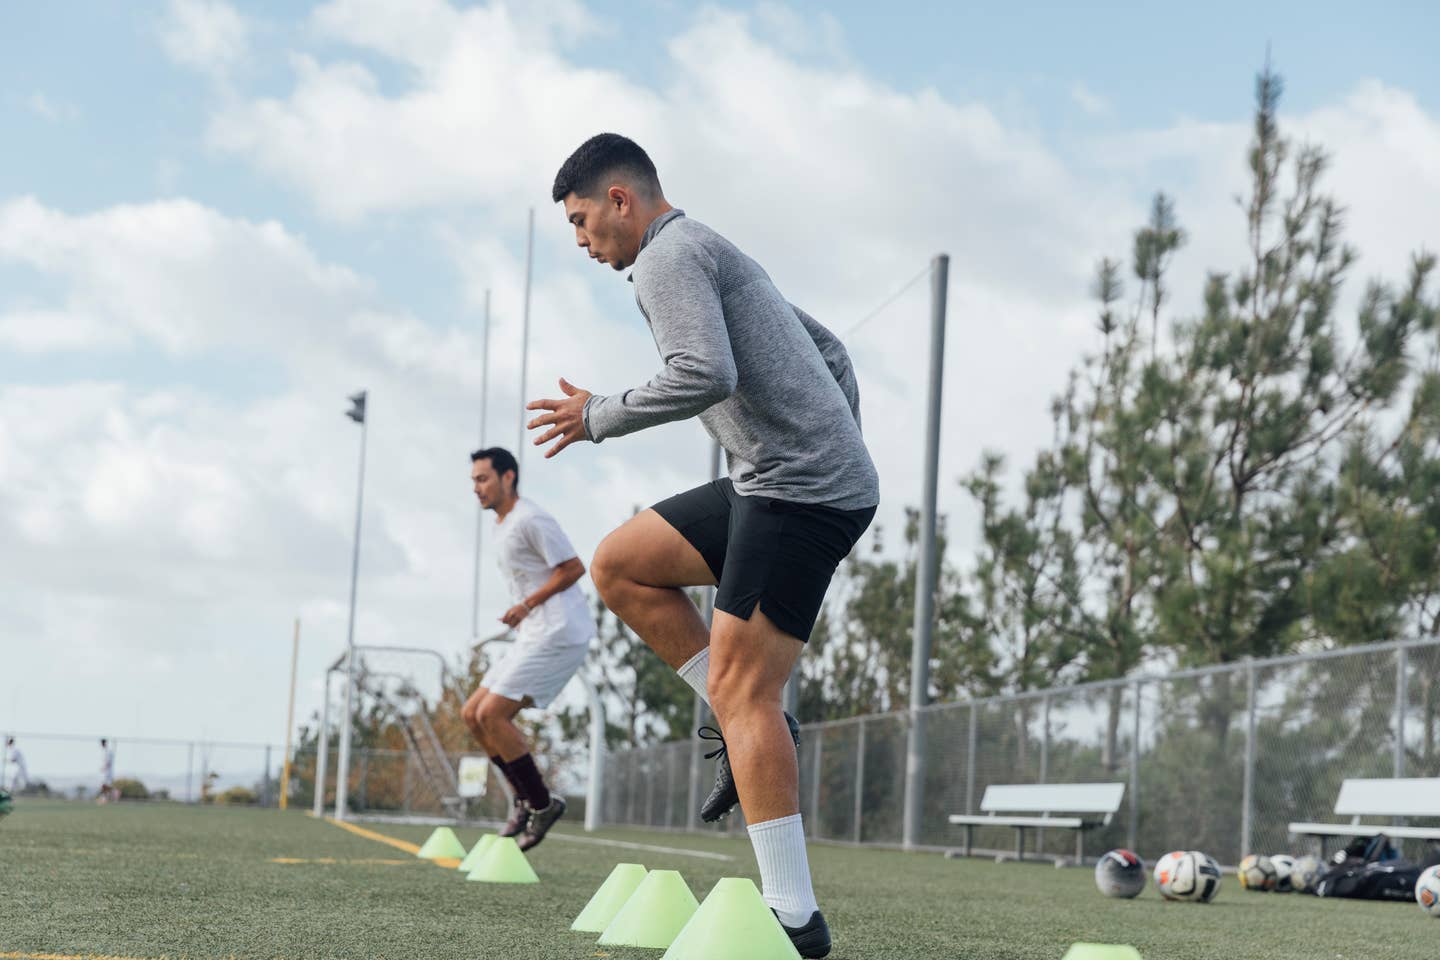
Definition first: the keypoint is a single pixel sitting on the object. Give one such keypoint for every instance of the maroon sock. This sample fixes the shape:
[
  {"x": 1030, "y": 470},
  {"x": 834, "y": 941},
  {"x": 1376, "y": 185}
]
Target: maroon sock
[
  {"x": 527, "y": 780},
  {"x": 504, "y": 769}
]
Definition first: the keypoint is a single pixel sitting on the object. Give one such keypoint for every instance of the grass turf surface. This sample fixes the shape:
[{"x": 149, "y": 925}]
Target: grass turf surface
[{"x": 151, "y": 881}]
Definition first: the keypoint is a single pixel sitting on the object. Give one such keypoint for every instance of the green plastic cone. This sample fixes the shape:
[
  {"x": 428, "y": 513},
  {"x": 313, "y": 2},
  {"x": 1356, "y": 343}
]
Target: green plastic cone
[
  {"x": 733, "y": 924},
  {"x": 477, "y": 853},
  {"x": 442, "y": 845},
  {"x": 504, "y": 863},
  {"x": 654, "y": 914},
  {"x": 1102, "y": 951},
  {"x": 611, "y": 896}
]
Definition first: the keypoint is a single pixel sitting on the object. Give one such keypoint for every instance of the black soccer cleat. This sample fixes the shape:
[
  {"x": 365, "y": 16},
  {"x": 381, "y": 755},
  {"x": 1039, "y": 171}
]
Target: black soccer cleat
[
  {"x": 541, "y": 821},
  {"x": 811, "y": 940},
  {"x": 724, "y": 796},
  {"x": 519, "y": 816}
]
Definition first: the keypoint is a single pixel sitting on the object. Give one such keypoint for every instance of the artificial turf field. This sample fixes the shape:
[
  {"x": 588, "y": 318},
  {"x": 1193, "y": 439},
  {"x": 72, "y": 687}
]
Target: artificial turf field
[{"x": 153, "y": 881}]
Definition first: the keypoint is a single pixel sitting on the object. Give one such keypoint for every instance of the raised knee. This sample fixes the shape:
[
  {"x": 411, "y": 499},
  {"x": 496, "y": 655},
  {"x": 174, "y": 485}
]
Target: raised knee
[{"x": 606, "y": 569}]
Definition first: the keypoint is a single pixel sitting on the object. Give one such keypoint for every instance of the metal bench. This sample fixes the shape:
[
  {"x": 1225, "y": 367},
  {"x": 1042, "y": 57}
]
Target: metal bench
[
  {"x": 1414, "y": 797},
  {"x": 1100, "y": 800}
]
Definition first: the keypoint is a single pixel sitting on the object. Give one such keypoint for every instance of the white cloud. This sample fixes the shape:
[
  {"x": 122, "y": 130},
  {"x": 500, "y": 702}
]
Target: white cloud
[
  {"x": 49, "y": 109},
  {"x": 208, "y": 35},
  {"x": 1092, "y": 103}
]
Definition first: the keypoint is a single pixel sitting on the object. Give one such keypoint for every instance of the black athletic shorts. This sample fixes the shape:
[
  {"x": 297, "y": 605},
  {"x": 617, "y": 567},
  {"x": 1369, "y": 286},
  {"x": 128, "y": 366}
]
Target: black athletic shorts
[{"x": 775, "y": 553}]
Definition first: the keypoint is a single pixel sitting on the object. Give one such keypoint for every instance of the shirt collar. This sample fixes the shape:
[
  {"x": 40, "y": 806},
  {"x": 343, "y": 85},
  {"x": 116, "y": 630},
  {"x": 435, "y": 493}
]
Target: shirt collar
[{"x": 655, "y": 227}]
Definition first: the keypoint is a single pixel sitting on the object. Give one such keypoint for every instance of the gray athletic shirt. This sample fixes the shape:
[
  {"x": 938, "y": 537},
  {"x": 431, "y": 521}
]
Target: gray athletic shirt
[{"x": 771, "y": 384}]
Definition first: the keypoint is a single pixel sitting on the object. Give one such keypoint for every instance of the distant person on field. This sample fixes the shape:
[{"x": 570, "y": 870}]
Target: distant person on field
[
  {"x": 107, "y": 773},
  {"x": 20, "y": 779},
  {"x": 553, "y": 630}
]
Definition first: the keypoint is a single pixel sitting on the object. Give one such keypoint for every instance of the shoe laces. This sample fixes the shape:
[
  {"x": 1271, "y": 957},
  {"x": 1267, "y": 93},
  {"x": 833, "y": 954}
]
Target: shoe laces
[{"x": 710, "y": 733}]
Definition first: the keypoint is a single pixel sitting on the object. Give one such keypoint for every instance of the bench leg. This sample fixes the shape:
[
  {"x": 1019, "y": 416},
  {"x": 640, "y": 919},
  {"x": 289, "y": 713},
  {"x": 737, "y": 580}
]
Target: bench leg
[
  {"x": 969, "y": 837},
  {"x": 1019, "y": 843},
  {"x": 1080, "y": 848}
]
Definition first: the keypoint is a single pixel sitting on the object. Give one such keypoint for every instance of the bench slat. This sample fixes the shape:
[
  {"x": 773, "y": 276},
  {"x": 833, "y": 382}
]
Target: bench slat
[
  {"x": 1050, "y": 797},
  {"x": 1404, "y": 797},
  {"x": 1363, "y": 830},
  {"x": 986, "y": 820}
]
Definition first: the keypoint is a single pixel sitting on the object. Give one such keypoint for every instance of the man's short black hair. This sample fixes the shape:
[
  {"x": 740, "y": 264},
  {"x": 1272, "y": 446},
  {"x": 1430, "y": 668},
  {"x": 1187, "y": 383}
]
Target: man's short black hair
[
  {"x": 501, "y": 459},
  {"x": 604, "y": 155}
]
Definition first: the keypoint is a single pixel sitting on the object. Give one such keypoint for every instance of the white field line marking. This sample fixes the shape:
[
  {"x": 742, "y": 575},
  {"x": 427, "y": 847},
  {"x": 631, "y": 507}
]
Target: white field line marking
[{"x": 652, "y": 848}]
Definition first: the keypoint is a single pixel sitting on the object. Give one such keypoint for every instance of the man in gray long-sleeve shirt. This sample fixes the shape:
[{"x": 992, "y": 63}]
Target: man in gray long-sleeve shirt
[{"x": 777, "y": 391}]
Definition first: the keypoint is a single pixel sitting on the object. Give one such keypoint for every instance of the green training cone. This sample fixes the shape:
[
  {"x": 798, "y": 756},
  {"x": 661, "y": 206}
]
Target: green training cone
[
  {"x": 733, "y": 924},
  {"x": 477, "y": 853},
  {"x": 654, "y": 914},
  {"x": 504, "y": 863},
  {"x": 611, "y": 896},
  {"x": 1102, "y": 951},
  {"x": 443, "y": 844}
]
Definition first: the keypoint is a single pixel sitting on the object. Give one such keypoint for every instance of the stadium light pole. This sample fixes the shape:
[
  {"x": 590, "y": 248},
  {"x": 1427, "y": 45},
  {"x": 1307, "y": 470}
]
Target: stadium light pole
[
  {"x": 289, "y": 720},
  {"x": 927, "y": 576},
  {"x": 479, "y": 510},
  {"x": 342, "y": 774}
]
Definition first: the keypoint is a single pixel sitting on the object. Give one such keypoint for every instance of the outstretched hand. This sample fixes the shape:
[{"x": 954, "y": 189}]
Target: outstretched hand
[{"x": 566, "y": 418}]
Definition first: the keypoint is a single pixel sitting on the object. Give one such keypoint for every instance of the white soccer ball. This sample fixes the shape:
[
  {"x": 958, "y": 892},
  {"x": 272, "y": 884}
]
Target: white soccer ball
[
  {"x": 1188, "y": 875},
  {"x": 1306, "y": 875},
  {"x": 1284, "y": 872},
  {"x": 1120, "y": 873},
  {"x": 1427, "y": 891},
  {"x": 1256, "y": 873}
]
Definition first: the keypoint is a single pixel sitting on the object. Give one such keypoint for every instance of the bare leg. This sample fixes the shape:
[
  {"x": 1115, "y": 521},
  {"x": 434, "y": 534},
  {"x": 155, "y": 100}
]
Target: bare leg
[
  {"x": 639, "y": 570},
  {"x": 470, "y": 713},
  {"x": 750, "y": 662},
  {"x": 495, "y": 717}
]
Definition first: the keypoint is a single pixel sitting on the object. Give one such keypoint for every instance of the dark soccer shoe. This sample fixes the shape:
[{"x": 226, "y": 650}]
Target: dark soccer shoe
[
  {"x": 519, "y": 816},
  {"x": 811, "y": 940},
  {"x": 723, "y": 797},
  {"x": 541, "y": 821}
]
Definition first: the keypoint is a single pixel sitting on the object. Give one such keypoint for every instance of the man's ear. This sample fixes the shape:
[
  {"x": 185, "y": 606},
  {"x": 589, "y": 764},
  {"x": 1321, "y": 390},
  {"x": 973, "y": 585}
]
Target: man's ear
[{"x": 619, "y": 197}]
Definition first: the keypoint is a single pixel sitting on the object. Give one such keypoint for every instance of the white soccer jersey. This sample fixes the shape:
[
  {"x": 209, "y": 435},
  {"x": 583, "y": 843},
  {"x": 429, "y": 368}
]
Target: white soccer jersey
[
  {"x": 530, "y": 545},
  {"x": 107, "y": 765},
  {"x": 554, "y": 639}
]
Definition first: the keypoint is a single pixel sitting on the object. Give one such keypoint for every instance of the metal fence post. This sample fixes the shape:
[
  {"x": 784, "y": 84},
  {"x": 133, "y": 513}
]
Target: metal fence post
[
  {"x": 859, "y": 779},
  {"x": 1402, "y": 706},
  {"x": 1044, "y": 760},
  {"x": 970, "y": 760},
  {"x": 1134, "y": 831},
  {"x": 190, "y": 773},
  {"x": 265, "y": 790},
  {"x": 1247, "y": 812},
  {"x": 815, "y": 786}
]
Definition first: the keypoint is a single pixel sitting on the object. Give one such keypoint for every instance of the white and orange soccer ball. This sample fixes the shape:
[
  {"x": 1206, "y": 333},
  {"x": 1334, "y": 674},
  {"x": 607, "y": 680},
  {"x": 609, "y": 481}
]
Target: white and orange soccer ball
[
  {"x": 1427, "y": 891},
  {"x": 1187, "y": 875}
]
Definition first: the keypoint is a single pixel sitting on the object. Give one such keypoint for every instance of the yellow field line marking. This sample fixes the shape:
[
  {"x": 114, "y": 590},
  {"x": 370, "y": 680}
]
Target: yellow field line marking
[
  {"x": 63, "y": 956},
  {"x": 328, "y": 860},
  {"x": 450, "y": 863}
]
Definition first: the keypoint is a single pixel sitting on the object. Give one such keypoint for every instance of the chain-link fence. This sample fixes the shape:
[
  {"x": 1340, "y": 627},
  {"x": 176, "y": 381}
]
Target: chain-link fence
[
  {"x": 1220, "y": 759},
  {"x": 143, "y": 768}
]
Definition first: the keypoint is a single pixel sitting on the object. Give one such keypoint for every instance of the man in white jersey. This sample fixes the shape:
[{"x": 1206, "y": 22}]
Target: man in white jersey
[
  {"x": 20, "y": 779},
  {"x": 553, "y": 630}
]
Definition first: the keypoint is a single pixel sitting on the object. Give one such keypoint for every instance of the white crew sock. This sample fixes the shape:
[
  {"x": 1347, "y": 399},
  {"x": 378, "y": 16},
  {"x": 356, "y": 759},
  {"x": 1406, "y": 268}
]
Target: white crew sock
[
  {"x": 696, "y": 672},
  {"x": 784, "y": 869}
]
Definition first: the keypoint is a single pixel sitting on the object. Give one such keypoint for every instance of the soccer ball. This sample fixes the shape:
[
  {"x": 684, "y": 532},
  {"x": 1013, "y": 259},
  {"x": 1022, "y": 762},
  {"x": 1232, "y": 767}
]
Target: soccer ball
[
  {"x": 1120, "y": 874},
  {"x": 1256, "y": 873},
  {"x": 1427, "y": 891},
  {"x": 1188, "y": 875},
  {"x": 1284, "y": 872},
  {"x": 7, "y": 803},
  {"x": 1307, "y": 874}
]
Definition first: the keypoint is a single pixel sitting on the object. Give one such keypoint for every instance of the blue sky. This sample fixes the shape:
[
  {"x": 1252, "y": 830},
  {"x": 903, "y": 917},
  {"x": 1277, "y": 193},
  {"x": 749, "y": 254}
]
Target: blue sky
[{"x": 224, "y": 218}]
